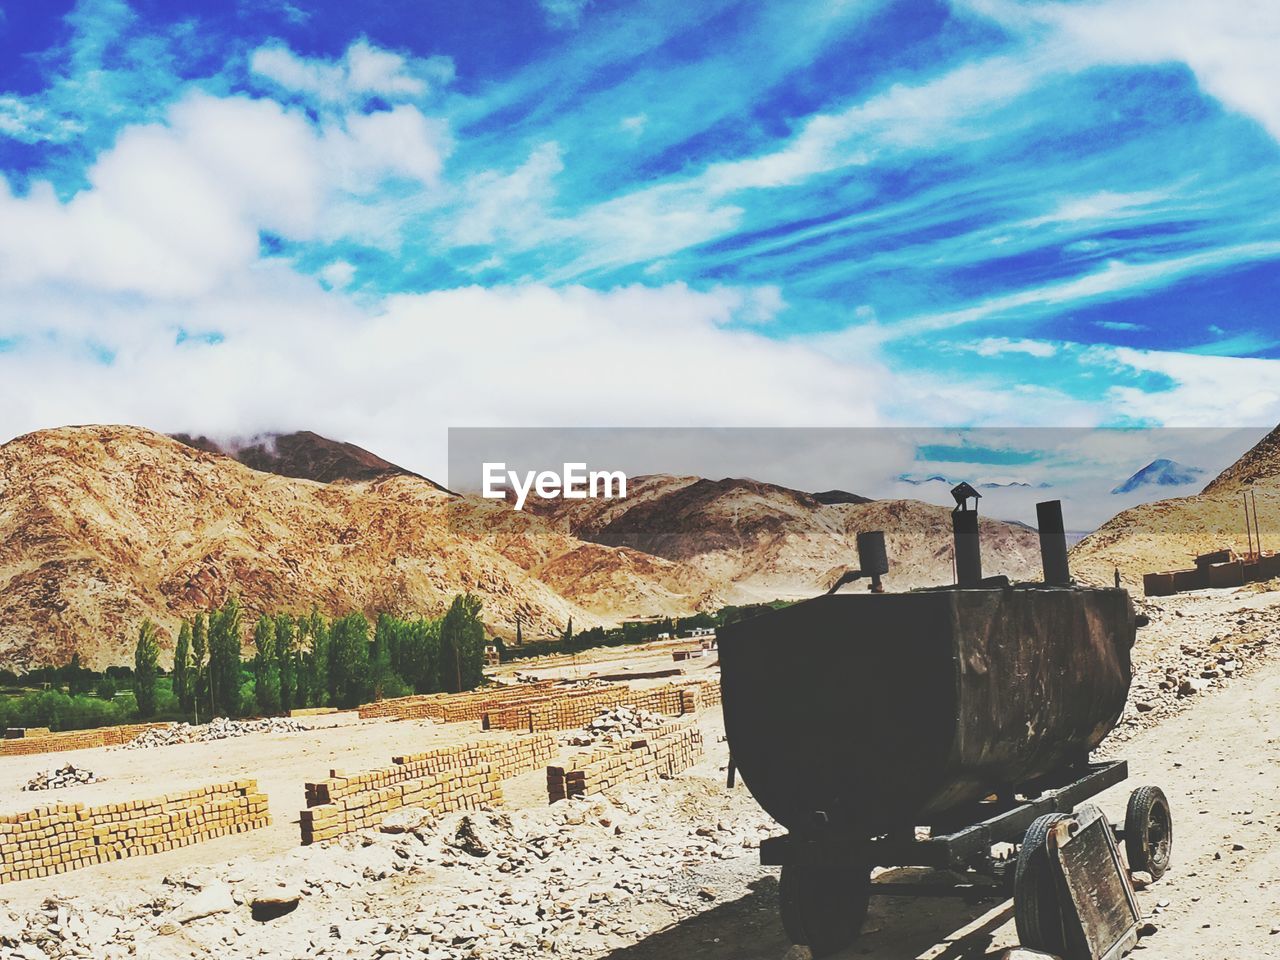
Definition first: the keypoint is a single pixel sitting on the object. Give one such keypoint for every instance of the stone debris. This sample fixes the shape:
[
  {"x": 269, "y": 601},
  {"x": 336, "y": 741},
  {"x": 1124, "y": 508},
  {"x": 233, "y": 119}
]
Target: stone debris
[
  {"x": 582, "y": 879},
  {"x": 218, "y": 729},
  {"x": 1190, "y": 659},
  {"x": 615, "y": 724},
  {"x": 55, "y": 778}
]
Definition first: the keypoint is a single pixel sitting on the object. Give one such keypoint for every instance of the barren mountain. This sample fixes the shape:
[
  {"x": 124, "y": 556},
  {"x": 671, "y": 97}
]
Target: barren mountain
[
  {"x": 303, "y": 455},
  {"x": 1169, "y": 534},
  {"x": 1260, "y": 465},
  {"x": 759, "y": 541},
  {"x": 103, "y": 526}
]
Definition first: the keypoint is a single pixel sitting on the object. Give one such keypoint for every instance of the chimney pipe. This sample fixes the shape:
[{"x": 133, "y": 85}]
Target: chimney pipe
[
  {"x": 1053, "y": 542},
  {"x": 964, "y": 528}
]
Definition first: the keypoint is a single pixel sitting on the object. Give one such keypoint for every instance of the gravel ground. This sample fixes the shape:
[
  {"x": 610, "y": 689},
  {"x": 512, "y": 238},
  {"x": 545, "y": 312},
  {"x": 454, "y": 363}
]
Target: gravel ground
[{"x": 671, "y": 869}]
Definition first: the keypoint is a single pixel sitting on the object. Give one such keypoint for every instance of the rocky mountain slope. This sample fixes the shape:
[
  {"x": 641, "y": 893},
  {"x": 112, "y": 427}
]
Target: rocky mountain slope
[
  {"x": 1169, "y": 534},
  {"x": 303, "y": 455},
  {"x": 1260, "y": 465},
  {"x": 103, "y": 526},
  {"x": 759, "y": 541}
]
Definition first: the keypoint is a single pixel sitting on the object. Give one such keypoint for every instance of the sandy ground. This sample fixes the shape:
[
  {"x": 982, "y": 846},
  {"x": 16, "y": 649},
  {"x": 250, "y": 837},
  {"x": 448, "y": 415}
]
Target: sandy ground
[{"x": 1216, "y": 755}]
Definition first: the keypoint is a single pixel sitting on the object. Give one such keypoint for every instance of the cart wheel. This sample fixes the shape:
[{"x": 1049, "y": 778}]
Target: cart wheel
[
  {"x": 1035, "y": 891},
  {"x": 1148, "y": 831},
  {"x": 823, "y": 907}
]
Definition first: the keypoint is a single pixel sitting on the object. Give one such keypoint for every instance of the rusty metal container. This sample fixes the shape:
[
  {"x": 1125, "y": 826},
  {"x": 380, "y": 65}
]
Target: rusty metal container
[{"x": 871, "y": 712}]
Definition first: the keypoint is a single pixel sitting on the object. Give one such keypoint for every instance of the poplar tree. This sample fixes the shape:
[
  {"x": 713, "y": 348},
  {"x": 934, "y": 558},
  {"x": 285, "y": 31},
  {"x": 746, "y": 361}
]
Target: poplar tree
[
  {"x": 224, "y": 658},
  {"x": 349, "y": 678},
  {"x": 318, "y": 672},
  {"x": 181, "y": 667},
  {"x": 198, "y": 680},
  {"x": 286, "y": 641},
  {"x": 462, "y": 645},
  {"x": 146, "y": 669},
  {"x": 266, "y": 666}
]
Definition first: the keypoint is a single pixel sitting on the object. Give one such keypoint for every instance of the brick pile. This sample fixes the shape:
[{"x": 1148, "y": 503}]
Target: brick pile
[
  {"x": 660, "y": 754},
  {"x": 75, "y": 739},
  {"x": 509, "y": 758},
  {"x": 66, "y": 836},
  {"x": 442, "y": 792},
  {"x": 455, "y": 707},
  {"x": 576, "y": 708},
  {"x": 464, "y": 777}
]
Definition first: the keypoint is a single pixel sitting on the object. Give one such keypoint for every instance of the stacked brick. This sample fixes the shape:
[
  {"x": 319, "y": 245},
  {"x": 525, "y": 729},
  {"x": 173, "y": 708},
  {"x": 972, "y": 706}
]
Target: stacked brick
[
  {"x": 455, "y": 707},
  {"x": 74, "y": 740},
  {"x": 67, "y": 836},
  {"x": 443, "y": 792},
  {"x": 509, "y": 758},
  {"x": 578, "y": 707},
  {"x": 661, "y": 754},
  {"x": 464, "y": 777}
]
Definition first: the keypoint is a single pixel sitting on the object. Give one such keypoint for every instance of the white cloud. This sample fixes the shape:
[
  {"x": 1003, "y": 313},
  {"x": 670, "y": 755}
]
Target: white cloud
[
  {"x": 417, "y": 363},
  {"x": 1115, "y": 278},
  {"x": 635, "y": 123},
  {"x": 997, "y": 346},
  {"x": 338, "y": 275},
  {"x": 1229, "y": 44},
  {"x": 563, "y": 14},
  {"x": 1103, "y": 206},
  {"x": 398, "y": 142},
  {"x": 512, "y": 205},
  {"x": 174, "y": 208},
  {"x": 1207, "y": 391},
  {"x": 170, "y": 209},
  {"x": 365, "y": 71}
]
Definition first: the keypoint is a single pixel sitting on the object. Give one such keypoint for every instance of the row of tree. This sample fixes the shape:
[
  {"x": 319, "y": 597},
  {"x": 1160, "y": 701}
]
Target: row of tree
[{"x": 311, "y": 660}]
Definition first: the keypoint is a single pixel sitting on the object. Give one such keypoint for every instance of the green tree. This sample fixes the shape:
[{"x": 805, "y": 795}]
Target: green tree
[
  {"x": 198, "y": 677},
  {"x": 318, "y": 661},
  {"x": 224, "y": 659},
  {"x": 79, "y": 680},
  {"x": 420, "y": 656},
  {"x": 286, "y": 653},
  {"x": 519, "y": 635},
  {"x": 146, "y": 669},
  {"x": 350, "y": 675},
  {"x": 182, "y": 667},
  {"x": 266, "y": 666},
  {"x": 462, "y": 645}
]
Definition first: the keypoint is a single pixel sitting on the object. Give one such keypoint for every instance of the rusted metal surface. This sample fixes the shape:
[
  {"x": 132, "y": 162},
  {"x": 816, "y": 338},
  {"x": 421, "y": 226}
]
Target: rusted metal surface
[{"x": 887, "y": 711}]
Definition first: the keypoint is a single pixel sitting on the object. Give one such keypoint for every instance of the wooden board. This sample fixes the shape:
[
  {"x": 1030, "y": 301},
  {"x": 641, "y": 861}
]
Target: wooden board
[{"x": 1101, "y": 910}]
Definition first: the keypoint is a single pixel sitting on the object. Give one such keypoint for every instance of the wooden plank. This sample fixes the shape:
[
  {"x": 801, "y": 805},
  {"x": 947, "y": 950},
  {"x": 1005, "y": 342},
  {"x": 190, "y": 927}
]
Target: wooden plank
[{"x": 1102, "y": 912}]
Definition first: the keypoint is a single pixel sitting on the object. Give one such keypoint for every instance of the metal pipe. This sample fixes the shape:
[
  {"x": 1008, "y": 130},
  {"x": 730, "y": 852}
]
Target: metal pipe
[
  {"x": 964, "y": 528},
  {"x": 1257, "y": 532},
  {"x": 1053, "y": 542},
  {"x": 1248, "y": 530}
]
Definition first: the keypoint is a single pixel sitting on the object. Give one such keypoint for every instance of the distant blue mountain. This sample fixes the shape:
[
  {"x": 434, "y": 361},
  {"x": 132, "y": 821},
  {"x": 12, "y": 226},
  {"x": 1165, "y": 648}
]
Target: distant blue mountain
[
  {"x": 1161, "y": 473},
  {"x": 984, "y": 485}
]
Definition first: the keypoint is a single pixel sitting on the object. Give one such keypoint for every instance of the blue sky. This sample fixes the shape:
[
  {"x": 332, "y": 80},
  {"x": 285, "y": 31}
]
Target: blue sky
[{"x": 381, "y": 220}]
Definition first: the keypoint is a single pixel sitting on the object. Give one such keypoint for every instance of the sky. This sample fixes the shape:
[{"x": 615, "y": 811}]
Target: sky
[{"x": 379, "y": 221}]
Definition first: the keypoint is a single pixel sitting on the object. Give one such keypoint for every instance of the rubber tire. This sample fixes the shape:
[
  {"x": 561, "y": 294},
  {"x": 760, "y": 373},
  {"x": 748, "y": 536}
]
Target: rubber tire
[
  {"x": 1148, "y": 831},
  {"x": 823, "y": 908},
  {"x": 1036, "y": 908}
]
